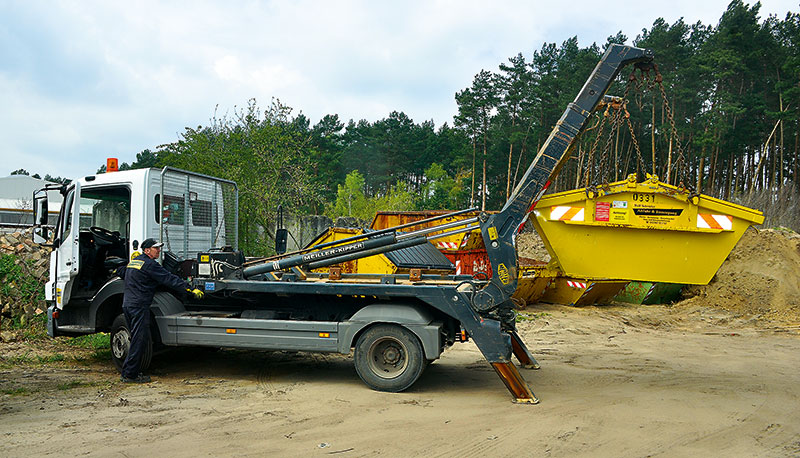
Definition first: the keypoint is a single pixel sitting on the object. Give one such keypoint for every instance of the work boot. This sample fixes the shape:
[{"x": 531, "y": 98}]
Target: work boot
[{"x": 141, "y": 378}]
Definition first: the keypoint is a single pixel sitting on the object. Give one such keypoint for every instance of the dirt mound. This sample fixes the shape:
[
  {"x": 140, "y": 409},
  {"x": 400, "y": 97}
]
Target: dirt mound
[{"x": 760, "y": 279}]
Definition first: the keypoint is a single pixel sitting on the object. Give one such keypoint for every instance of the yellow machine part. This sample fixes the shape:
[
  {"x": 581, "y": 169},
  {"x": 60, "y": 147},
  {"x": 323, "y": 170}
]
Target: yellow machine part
[
  {"x": 378, "y": 264},
  {"x": 533, "y": 281},
  {"x": 649, "y": 231},
  {"x": 467, "y": 241},
  {"x": 572, "y": 291}
]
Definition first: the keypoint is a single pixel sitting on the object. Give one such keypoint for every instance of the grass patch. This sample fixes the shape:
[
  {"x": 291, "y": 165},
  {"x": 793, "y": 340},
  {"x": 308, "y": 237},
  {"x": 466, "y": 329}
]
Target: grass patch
[
  {"x": 102, "y": 355},
  {"x": 25, "y": 358},
  {"x": 45, "y": 359},
  {"x": 14, "y": 391},
  {"x": 91, "y": 342},
  {"x": 70, "y": 385},
  {"x": 531, "y": 316}
]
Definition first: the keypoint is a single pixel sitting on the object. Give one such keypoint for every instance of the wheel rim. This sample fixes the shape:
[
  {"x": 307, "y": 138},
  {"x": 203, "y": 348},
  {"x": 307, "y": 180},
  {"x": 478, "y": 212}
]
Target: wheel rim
[
  {"x": 120, "y": 343},
  {"x": 388, "y": 357}
]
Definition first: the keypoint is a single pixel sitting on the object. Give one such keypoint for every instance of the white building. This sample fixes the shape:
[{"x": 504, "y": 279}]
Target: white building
[{"x": 16, "y": 201}]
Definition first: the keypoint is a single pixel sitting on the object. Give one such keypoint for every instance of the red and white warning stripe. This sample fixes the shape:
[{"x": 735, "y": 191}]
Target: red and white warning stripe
[
  {"x": 566, "y": 213},
  {"x": 576, "y": 284},
  {"x": 447, "y": 245},
  {"x": 458, "y": 267},
  {"x": 722, "y": 222}
]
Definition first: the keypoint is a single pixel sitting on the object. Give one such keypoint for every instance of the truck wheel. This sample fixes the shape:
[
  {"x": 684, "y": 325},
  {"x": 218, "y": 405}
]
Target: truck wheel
[
  {"x": 389, "y": 358},
  {"x": 121, "y": 342}
]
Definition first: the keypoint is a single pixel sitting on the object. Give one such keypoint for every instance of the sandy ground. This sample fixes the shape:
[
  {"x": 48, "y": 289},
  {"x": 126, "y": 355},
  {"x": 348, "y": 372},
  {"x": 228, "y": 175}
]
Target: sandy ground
[
  {"x": 715, "y": 374},
  {"x": 615, "y": 381}
]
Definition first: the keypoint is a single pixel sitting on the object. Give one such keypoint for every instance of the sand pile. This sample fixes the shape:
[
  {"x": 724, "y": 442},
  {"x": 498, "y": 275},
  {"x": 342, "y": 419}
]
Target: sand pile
[{"x": 760, "y": 279}]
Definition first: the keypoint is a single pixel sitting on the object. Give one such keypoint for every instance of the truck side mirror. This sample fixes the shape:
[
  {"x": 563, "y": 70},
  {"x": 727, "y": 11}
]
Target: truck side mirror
[
  {"x": 280, "y": 240},
  {"x": 40, "y": 235},
  {"x": 40, "y": 231}
]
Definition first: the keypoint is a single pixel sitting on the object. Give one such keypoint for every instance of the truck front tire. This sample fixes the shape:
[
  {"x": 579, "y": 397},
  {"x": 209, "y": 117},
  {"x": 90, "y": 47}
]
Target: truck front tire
[
  {"x": 121, "y": 342},
  {"x": 389, "y": 358}
]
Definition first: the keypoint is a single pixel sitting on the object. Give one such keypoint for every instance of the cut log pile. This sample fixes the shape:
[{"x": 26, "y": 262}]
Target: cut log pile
[{"x": 23, "y": 273}]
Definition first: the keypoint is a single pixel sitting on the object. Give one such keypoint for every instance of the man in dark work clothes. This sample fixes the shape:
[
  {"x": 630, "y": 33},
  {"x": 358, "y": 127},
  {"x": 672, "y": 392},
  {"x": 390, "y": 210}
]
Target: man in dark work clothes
[{"x": 142, "y": 276}]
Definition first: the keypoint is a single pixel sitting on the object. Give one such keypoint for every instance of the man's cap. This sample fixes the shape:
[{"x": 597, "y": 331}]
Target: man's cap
[{"x": 150, "y": 243}]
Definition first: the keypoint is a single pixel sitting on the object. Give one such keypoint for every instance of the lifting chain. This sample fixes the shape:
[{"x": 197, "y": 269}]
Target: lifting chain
[
  {"x": 680, "y": 162},
  {"x": 618, "y": 111},
  {"x": 589, "y": 165},
  {"x": 636, "y": 148},
  {"x": 616, "y": 120}
]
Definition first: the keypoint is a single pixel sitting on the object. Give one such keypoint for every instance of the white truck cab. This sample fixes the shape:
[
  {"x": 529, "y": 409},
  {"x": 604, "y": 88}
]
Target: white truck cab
[{"x": 103, "y": 220}]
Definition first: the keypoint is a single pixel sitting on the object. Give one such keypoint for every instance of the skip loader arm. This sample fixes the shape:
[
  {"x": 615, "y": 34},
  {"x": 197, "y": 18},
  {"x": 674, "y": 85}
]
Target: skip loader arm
[{"x": 499, "y": 231}]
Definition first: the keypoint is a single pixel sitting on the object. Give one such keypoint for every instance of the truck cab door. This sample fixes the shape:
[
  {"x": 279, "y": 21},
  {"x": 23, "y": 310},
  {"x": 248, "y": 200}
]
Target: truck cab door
[{"x": 68, "y": 251}]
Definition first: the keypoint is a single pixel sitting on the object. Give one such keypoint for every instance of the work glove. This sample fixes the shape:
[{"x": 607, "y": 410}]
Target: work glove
[{"x": 196, "y": 293}]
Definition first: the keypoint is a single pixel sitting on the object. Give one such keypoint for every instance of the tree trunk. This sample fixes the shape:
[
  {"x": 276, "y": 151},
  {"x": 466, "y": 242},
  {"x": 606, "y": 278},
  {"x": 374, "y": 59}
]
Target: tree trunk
[
  {"x": 508, "y": 175},
  {"x": 797, "y": 156},
  {"x": 780, "y": 101},
  {"x": 700, "y": 172},
  {"x": 627, "y": 159},
  {"x": 669, "y": 162},
  {"x": 483, "y": 185},
  {"x": 522, "y": 151},
  {"x": 712, "y": 169},
  {"x": 510, "y": 150},
  {"x": 472, "y": 188},
  {"x": 729, "y": 179},
  {"x": 773, "y": 179},
  {"x": 738, "y": 175}
]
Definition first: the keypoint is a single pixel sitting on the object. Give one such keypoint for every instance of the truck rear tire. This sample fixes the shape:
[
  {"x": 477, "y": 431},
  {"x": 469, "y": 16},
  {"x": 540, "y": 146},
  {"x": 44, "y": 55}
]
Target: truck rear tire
[
  {"x": 389, "y": 357},
  {"x": 121, "y": 342}
]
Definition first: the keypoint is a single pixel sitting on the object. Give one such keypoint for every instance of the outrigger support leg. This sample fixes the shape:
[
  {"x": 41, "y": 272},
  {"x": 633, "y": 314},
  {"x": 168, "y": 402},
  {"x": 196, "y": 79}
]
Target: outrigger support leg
[
  {"x": 521, "y": 352},
  {"x": 515, "y": 383}
]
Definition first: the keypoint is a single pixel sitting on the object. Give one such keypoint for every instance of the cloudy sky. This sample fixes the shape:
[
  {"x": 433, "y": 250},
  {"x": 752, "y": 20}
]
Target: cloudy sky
[{"x": 84, "y": 80}]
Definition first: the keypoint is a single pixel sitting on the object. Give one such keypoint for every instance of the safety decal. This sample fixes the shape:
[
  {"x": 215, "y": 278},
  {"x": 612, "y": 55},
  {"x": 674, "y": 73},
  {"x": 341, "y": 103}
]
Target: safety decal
[
  {"x": 566, "y": 213},
  {"x": 492, "y": 233},
  {"x": 502, "y": 273},
  {"x": 721, "y": 222},
  {"x": 619, "y": 216},
  {"x": 136, "y": 264},
  {"x": 657, "y": 211},
  {"x": 210, "y": 286},
  {"x": 576, "y": 284},
  {"x": 602, "y": 211}
]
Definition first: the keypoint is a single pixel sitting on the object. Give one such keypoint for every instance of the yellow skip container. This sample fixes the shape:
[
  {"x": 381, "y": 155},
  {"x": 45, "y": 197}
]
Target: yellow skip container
[{"x": 649, "y": 231}]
